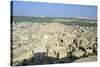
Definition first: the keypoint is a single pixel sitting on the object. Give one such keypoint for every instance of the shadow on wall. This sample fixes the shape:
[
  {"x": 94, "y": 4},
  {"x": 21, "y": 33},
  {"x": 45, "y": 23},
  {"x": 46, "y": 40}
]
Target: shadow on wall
[{"x": 42, "y": 58}]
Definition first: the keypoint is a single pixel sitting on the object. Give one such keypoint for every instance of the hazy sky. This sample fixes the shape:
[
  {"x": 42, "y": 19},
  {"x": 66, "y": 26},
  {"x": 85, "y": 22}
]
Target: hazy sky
[{"x": 24, "y": 8}]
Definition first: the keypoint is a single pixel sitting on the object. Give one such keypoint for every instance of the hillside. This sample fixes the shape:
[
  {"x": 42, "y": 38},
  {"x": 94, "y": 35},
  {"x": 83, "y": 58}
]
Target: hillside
[{"x": 49, "y": 43}]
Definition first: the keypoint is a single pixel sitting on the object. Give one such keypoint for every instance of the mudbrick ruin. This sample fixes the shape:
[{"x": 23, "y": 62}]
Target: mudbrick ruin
[{"x": 49, "y": 43}]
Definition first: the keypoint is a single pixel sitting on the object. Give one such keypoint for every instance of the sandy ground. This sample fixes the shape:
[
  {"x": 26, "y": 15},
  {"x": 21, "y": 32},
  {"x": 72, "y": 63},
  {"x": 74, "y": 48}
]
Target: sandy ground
[{"x": 87, "y": 59}]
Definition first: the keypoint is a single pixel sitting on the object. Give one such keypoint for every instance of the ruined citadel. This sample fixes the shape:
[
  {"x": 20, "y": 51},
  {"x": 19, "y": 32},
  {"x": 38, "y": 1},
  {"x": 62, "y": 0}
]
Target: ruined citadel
[{"x": 48, "y": 43}]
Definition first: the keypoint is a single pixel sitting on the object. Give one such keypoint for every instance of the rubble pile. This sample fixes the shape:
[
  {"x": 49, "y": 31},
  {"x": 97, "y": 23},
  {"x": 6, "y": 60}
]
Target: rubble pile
[{"x": 52, "y": 42}]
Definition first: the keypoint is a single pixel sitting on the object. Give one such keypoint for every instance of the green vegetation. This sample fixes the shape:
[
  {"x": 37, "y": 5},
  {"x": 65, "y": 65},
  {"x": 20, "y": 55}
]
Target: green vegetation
[
  {"x": 73, "y": 21},
  {"x": 82, "y": 23},
  {"x": 31, "y": 19}
]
